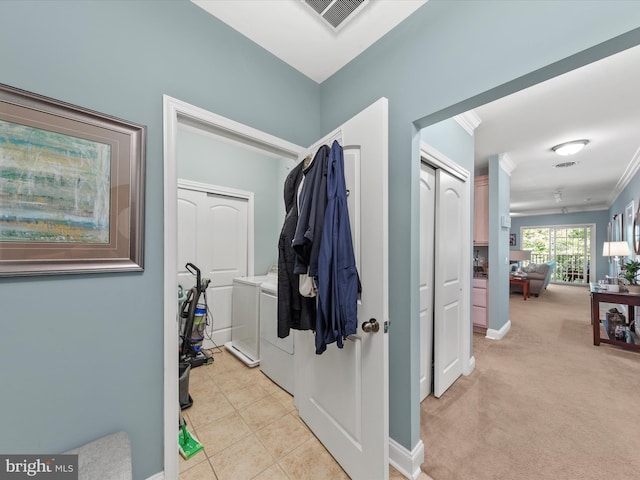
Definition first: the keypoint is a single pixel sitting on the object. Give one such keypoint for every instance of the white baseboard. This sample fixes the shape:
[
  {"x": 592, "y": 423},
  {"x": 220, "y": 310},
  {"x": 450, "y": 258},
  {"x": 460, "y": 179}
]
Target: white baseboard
[
  {"x": 470, "y": 367},
  {"x": 157, "y": 476},
  {"x": 498, "y": 334},
  {"x": 405, "y": 461}
]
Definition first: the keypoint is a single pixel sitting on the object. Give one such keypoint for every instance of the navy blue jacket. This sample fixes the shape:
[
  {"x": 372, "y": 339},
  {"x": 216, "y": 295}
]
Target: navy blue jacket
[
  {"x": 337, "y": 280},
  {"x": 313, "y": 203}
]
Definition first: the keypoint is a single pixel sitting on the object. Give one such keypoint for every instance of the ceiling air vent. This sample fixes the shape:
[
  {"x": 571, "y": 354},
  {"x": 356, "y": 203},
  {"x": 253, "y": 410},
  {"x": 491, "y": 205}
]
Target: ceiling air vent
[
  {"x": 336, "y": 13},
  {"x": 564, "y": 165}
]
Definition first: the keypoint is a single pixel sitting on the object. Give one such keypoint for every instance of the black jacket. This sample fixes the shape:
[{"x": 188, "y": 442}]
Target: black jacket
[{"x": 294, "y": 310}]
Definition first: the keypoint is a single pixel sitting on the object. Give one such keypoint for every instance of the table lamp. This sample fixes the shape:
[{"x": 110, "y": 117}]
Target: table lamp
[
  {"x": 519, "y": 255},
  {"x": 616, "y": 250}
]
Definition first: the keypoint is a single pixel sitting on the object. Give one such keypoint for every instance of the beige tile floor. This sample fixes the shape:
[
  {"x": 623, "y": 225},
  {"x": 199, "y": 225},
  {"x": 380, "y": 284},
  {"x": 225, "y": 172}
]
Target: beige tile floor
[{"x": 250, "y": 429}]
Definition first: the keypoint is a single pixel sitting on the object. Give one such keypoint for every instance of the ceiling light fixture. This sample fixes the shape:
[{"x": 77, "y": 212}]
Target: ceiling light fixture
[{"x": 570, "y": 148}]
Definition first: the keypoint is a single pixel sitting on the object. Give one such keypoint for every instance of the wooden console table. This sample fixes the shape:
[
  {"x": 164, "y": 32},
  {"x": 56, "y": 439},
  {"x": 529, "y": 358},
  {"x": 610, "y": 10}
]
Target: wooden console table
[
  {"x": 523, "y": 281},
  {"x": 603, "y": 296}
]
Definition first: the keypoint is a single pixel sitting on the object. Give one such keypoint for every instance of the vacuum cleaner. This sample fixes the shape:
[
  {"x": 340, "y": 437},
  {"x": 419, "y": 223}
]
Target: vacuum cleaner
[{"x": 194, "y": 316}]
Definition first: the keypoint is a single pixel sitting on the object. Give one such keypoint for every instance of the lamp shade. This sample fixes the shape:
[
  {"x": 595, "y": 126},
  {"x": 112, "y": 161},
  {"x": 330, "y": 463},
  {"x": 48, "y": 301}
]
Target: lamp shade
[
  {"x": 615, "y": 249},
  {"x": 519, "y": 255}
]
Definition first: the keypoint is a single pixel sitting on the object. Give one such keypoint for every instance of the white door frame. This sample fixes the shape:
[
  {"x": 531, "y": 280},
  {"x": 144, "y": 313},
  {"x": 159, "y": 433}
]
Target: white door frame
[
  {"x": 427, "y": 256},
  {"x": 176, "y": 112},
  {"x": 435, "y": 158}
]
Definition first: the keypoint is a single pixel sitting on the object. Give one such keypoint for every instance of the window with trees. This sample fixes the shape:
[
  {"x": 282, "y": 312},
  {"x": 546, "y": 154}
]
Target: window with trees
[{"x": 568, "y": 245}]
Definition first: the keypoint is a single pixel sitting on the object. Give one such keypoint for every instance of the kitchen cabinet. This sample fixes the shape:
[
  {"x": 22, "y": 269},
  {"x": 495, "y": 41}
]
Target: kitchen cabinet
[
  {"x": 479, "y": 297},
  {"x": 481, "y": 210}
]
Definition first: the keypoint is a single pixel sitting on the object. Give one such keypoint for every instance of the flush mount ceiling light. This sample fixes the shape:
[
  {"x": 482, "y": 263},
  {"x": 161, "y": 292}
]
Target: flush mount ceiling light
[{"x": 570, "y": 148}]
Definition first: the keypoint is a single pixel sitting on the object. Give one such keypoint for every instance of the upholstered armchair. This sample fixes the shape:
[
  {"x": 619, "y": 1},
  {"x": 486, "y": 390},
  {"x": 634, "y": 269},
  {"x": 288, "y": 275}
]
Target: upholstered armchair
[{"x": 539, "y": 277}]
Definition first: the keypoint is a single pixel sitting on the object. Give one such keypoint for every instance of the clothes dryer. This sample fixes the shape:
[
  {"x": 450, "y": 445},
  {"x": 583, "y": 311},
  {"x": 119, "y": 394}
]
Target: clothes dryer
[{"x": 276, "y": 353}]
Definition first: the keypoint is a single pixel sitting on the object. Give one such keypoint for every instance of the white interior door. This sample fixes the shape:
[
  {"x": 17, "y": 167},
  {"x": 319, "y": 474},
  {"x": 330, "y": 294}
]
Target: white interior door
[
  {"x": 449, "y": 304},
  {"x": 427, "y": 227},
  {"x": 342, "y": 395},
  {"x": 213, "y": 235}
]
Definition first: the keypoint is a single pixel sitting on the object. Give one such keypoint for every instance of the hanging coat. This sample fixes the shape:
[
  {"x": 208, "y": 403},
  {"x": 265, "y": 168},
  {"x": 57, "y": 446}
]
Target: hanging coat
[
  {"x": 337, "y": 280},
  {"x": 313, "y": 202},
  {"x": 294, "y": 310}
]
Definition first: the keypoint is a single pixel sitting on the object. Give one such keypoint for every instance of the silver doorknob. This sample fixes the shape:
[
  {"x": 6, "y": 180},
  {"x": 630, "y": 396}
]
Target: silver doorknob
[{"x": 372, "y": 326}]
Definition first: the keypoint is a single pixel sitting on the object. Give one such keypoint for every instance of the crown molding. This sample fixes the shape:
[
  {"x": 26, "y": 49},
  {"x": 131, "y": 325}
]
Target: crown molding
[
  {"x": 558, "y": 211},
  {"x": 506, "y": 163},
  {"x": 629, "y": 173},
  {"x": 469, "y": 121}
]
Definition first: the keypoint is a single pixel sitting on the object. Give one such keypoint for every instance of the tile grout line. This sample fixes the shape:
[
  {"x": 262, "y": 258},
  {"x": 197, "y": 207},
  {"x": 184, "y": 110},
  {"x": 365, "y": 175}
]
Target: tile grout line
[
  {"x": 274, "y": 395},
  {"x": 253, "y": 431}
]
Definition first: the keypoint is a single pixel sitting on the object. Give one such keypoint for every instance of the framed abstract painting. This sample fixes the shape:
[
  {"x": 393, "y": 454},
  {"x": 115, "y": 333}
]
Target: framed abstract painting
[{"x": 71, "y": 188}]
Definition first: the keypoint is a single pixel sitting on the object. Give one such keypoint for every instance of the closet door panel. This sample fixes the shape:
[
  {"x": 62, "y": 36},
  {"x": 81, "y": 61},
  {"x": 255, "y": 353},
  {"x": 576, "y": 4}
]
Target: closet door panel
[
  {"x": 448, "y": 305},
  {"x": 187, "y": 239},
  {"x": 223, "y": 242},
  {"x": 213, "y": 235}
]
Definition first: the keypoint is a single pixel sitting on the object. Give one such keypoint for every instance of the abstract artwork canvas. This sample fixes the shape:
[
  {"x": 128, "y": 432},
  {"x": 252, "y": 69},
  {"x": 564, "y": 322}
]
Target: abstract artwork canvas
[{"x": 53, "y": 187}]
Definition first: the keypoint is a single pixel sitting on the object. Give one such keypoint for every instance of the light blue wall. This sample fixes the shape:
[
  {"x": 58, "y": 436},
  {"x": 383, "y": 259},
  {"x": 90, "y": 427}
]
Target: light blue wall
[
  {"x": 499, "y": 199},
  {"x": 207, "y": 159},
  {"x": 447, "y": 58},
  {"x": 453, "y": 141},
  {"x": 82, "y": 355},
  {"x": 599, "y": 218},
  {"x": 93, "y": 362},
  {"x": 631, "y": 193}
]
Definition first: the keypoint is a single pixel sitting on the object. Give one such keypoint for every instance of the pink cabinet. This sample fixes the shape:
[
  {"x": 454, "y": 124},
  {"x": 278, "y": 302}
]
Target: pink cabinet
[
  {"x": 479, "y": 303},
  {"x": 481, "y": 210}
]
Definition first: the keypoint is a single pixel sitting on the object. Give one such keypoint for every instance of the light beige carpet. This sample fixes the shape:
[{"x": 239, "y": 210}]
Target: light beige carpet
[{"x": 542, "y": 403}]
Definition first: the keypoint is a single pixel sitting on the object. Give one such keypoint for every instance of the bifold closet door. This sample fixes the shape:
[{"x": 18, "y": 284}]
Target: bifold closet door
[
  {"x": 213, "y": 235},
  {"x": 448, "y": 299}
]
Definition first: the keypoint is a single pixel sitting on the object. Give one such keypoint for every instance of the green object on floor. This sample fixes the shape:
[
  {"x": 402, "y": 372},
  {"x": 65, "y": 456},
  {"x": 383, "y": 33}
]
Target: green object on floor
[{"x": 188, "y": 445}]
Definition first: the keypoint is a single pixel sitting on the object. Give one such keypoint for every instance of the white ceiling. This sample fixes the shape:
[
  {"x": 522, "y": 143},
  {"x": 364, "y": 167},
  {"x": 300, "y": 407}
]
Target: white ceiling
[
  {"x": 291, "y": 31},
  {"x": 598, "y": 102}
]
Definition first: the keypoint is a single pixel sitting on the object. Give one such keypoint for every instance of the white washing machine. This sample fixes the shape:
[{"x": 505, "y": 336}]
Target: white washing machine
[
  {"x": 276, "y": 353},
  {"x": 245, "y": 319}
]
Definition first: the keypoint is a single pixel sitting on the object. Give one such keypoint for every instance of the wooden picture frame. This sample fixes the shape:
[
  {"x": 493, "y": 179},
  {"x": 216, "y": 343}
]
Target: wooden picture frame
[
  {"x": 615, "y": 232},
  {"x": 71, "y": 188},
  {"x": 629, "y": 215},
  {"x": 636, "y": 231}
]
